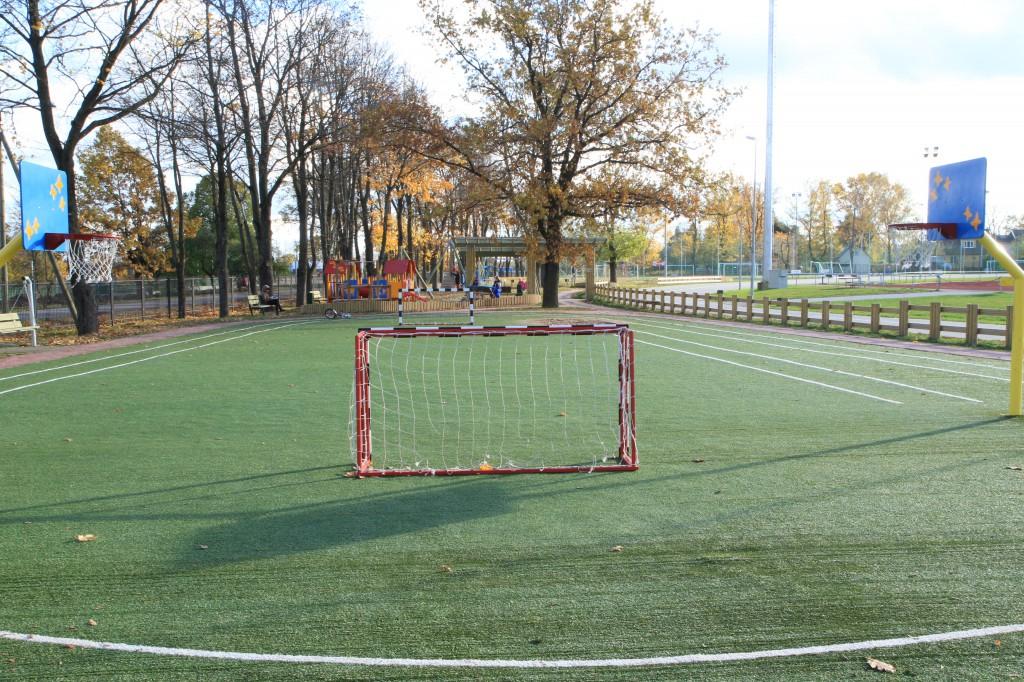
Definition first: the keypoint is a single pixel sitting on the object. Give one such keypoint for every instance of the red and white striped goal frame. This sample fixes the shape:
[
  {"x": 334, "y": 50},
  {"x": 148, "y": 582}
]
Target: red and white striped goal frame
[{"x": 628, "y": 459}]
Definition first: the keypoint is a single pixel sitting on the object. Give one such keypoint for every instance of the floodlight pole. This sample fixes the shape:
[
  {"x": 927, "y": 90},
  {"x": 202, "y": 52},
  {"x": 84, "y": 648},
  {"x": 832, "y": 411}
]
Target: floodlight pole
[
  {"x": 997, "y": 251},
  {"x": 769, "y": 221},
  {"x": 753, "y": 217}
]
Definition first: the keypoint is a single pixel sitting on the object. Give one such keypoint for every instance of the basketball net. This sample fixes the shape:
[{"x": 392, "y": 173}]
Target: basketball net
[{"x": 90, "y": 260}]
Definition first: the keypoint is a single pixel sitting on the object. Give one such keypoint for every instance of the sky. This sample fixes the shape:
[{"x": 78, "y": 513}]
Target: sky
[{"x": 859, "y": 87}]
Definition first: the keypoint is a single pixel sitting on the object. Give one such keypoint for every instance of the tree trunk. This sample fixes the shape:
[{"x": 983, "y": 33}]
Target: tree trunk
[{"x": 550, "y": 283}]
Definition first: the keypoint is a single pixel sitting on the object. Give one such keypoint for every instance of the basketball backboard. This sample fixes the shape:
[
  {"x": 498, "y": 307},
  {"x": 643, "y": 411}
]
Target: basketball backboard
[
  {"x": 956, "y": 194},
  {"x": 44, "y": 205}
]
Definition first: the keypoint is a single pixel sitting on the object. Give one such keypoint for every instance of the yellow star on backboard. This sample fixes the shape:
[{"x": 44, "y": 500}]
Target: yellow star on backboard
[
  {"x": 938, "y": 178},
  {"x": 946, "y": 184},
  {"x": 976, "y": 221},
  {"x": 59, "y": 184},
  {"x": 61, "y": 204},
  {"x": 933, "y": 195},
  {"x": 53, "y": 192},
  {"x": 968, "y": 213},
  {"x": 28, "y": 229},
  {"x": 35, "y": 225}
]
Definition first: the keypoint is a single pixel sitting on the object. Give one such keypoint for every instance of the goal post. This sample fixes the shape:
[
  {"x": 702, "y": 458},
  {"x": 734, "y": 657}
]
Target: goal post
[{"x": 494, "y": 400}]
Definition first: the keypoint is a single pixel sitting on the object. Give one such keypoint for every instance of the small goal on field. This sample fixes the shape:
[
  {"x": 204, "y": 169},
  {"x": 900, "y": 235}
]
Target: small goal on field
[{"x": 493, "y": 400}]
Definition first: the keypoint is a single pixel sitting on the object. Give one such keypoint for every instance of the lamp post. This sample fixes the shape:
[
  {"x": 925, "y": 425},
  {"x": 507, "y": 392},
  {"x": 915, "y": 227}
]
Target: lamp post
[
  {"x": 753, "y": 216},
  {"x": 794, "y": 237}
]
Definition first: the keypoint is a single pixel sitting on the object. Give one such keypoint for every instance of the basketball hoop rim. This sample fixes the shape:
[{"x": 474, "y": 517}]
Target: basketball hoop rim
[
  {"x": 947, "y": 230},
  {"x": 52, "y": 240}
]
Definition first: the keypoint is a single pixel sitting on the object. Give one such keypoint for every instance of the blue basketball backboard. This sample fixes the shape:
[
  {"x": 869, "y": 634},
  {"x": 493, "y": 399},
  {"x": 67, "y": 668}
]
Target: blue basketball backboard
[
  {"x": 44, "y": 205},
  {"x": 956, "y": 194}
]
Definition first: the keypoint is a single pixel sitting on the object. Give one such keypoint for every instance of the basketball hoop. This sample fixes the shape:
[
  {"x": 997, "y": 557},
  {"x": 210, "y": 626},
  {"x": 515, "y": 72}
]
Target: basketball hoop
[{"x": 90, "y": 257}]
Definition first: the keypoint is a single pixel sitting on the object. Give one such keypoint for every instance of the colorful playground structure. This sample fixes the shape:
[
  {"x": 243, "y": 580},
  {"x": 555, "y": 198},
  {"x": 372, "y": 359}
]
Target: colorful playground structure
[{"x": 344, "y": 280}]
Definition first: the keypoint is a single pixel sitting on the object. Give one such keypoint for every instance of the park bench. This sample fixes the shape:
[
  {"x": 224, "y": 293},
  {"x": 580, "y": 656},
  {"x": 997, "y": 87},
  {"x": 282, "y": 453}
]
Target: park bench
[
  {"x": 10, "y": 323},
  {"x": 255, "y": 304},
  {"x": 316, "y": 297}
]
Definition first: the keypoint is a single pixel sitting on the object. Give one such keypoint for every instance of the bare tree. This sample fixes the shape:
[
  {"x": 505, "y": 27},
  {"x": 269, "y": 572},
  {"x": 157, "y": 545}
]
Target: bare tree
[{"x": 83, "y": 64}]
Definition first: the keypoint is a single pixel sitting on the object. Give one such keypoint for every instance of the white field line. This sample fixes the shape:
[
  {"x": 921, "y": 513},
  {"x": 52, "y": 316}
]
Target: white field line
[
  {"x": 687, "y": 330},
  {"x": 844, "y": 647},
  {"x": 148, "y": 349},
  {"x": 817, "y": 367},
  {"x": 773, "y": 373},
  {"x": 978, "y": 364},
  {"x": 147, "y": 359}
]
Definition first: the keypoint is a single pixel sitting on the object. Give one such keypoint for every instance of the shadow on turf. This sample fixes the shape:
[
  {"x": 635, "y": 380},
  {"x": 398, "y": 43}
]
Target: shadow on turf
[{"x": 324, "y": 525}]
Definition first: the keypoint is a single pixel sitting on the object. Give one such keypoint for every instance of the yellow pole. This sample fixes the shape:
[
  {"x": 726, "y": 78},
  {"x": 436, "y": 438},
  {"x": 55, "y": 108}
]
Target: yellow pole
[
  {"x": 997, "y": 251},
  {"x": 9, "y": 251}
]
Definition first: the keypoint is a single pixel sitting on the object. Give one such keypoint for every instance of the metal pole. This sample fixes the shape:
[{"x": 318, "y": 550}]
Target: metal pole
[
  {"x": 753, "y": 216},
  {"x": 769, "y": 223},
  {"x": 666, "y": 248},
  {"x": 5, "y": 295},
  {"x": 1017, "y": 332},
  {"x": 31, "y": 309}
]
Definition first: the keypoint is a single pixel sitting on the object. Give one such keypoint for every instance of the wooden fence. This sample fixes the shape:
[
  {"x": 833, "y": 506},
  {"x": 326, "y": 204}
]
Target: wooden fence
[
  {"x": 844, "y": 316},
  {"x": 439, "y": 303}
]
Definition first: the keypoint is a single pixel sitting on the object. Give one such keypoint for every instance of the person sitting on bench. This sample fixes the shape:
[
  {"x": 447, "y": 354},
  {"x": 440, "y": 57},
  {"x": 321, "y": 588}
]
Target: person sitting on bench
[{"x": 269, "y": 299}]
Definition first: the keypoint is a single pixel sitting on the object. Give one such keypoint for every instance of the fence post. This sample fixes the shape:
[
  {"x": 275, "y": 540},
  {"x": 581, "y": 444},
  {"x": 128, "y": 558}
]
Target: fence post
[
  {"x": 707, "y": 306},
  {"x": 804, "y": 312},
  {"x": 935, "y": 321},
  {"x": 672, "y": 303},
  {"x": 876, "y": 314},
  {"x": 784, "y": 311},
  {"x": 721, "y": 304},
  {"x": 735, "y": 307},
  {"x": 848, "y": 316},
  {"x": 972, "y": 324},
  {"x": 750, "y": 308},
  {"x": 904, "y": 322},
  {"x": 766, "y": 310}
]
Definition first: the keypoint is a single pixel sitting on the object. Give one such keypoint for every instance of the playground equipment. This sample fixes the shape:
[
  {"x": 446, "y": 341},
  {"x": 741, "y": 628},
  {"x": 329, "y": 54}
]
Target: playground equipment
[{"x": 956, "y": 210}]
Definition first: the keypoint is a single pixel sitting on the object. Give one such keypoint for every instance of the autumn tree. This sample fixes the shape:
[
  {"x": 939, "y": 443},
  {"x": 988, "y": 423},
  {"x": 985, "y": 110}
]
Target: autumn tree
[
  {"x": 91, "y": 59},
  {"x": 569, "y": 87},
  {"x": 118, "y": 195},
  {"x": 869, "y": 203}
]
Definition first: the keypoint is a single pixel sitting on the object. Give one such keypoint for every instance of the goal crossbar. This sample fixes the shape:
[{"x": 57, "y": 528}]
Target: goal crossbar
[{"x": 372, "y": 377}]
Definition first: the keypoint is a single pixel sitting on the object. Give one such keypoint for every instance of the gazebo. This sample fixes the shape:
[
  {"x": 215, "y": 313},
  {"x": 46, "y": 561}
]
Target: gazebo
[{"x": 470, "y": 249}]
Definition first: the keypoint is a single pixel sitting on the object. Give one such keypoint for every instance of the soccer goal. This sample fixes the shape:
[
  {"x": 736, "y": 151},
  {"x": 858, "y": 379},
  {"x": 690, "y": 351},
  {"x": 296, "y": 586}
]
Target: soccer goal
[{"x": 493, "y": 400}]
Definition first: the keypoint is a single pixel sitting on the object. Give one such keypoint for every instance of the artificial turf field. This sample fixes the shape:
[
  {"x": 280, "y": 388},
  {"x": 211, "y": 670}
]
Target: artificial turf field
[{"x": 777, "y": 505}]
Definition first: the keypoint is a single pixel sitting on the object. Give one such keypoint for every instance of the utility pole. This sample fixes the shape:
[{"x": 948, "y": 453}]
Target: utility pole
[{"x": 4, "y": 282}]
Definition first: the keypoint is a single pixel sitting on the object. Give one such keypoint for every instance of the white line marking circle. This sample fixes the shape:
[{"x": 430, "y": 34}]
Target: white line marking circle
[{"x": 506, "y": 663}]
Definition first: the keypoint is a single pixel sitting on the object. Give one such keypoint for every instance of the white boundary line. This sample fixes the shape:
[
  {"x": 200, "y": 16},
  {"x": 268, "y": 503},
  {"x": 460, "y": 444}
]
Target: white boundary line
[
  {"x": 773, "y": 373},
  {"x": 809, "y": 366},
  {"x": 192, "y": 337},
  {"x": 147, "y": 359},
  {"x": 686, "y": 330},
  {"x": 529, "y": 663}
]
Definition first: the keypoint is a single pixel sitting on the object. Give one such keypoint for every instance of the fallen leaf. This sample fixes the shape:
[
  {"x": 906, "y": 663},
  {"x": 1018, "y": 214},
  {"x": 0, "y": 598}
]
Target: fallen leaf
[
  {"x": 72, "y": 627},
  {"x": 881, "y": 666},
  {"x": 697, "y": 461},
  {"x": 69, "y": 646},
  {"x": 87, "y": 537},
  {"x": 91, "y": 622},
  {"x": 204, "y": 547},
  {"x": 616, "y": 548},
  {"x": 998, "y": 643},
  {"x": 445, "y": 568},
  {"x": 561, "y": 414},
  {"x": 1015, "y": 467},
  {"x": 536, "y": 641},
  {"x": 67, "y": 440}
]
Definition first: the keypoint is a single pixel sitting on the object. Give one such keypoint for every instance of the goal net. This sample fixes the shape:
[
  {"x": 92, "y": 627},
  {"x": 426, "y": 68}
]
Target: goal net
[{"x": 493, "y": 400}]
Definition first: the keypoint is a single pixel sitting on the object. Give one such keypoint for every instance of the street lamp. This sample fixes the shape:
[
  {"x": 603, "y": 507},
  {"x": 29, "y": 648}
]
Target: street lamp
[
  {"x": 753, "y": 216},
  {"x": 794, "y": 237}
]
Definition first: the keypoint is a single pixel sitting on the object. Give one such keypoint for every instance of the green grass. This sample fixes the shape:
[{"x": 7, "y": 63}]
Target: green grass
[{"x": 815, "y": 516}]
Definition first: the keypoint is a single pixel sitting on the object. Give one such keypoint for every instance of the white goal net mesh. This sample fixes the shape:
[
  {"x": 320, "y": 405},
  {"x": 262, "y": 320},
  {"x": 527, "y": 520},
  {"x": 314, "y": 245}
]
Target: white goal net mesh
[{"x": 479, "y": 402}]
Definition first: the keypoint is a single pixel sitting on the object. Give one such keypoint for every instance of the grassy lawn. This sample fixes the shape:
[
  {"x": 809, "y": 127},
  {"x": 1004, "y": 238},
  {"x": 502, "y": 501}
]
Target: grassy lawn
[{"x": 778, "y": 504}]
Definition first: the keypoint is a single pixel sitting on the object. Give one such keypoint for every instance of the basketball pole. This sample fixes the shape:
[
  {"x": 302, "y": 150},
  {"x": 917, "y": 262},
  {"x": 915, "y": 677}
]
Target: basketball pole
[
  {"x": 996, "y": 250},
  {"x": 10, "y": 250}
]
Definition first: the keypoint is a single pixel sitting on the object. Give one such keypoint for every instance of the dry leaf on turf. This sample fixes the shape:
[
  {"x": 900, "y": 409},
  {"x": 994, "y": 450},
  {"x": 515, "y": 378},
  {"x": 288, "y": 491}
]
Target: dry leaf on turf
[
  {"x": 616, "y": 548},
  {"x": 67, "y": 440},
  {"x": 1015, "y": 467},
  {"x": 445, "y": 568},
  {"x": 697, "y": 461},
  {"x": 91, "y": 622},
  {"x": 87, "y": 537},
  {"x": 561, "y": 414},
  {"x": 203, "y": 547},
  {"x": 881, "y": 666}
]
